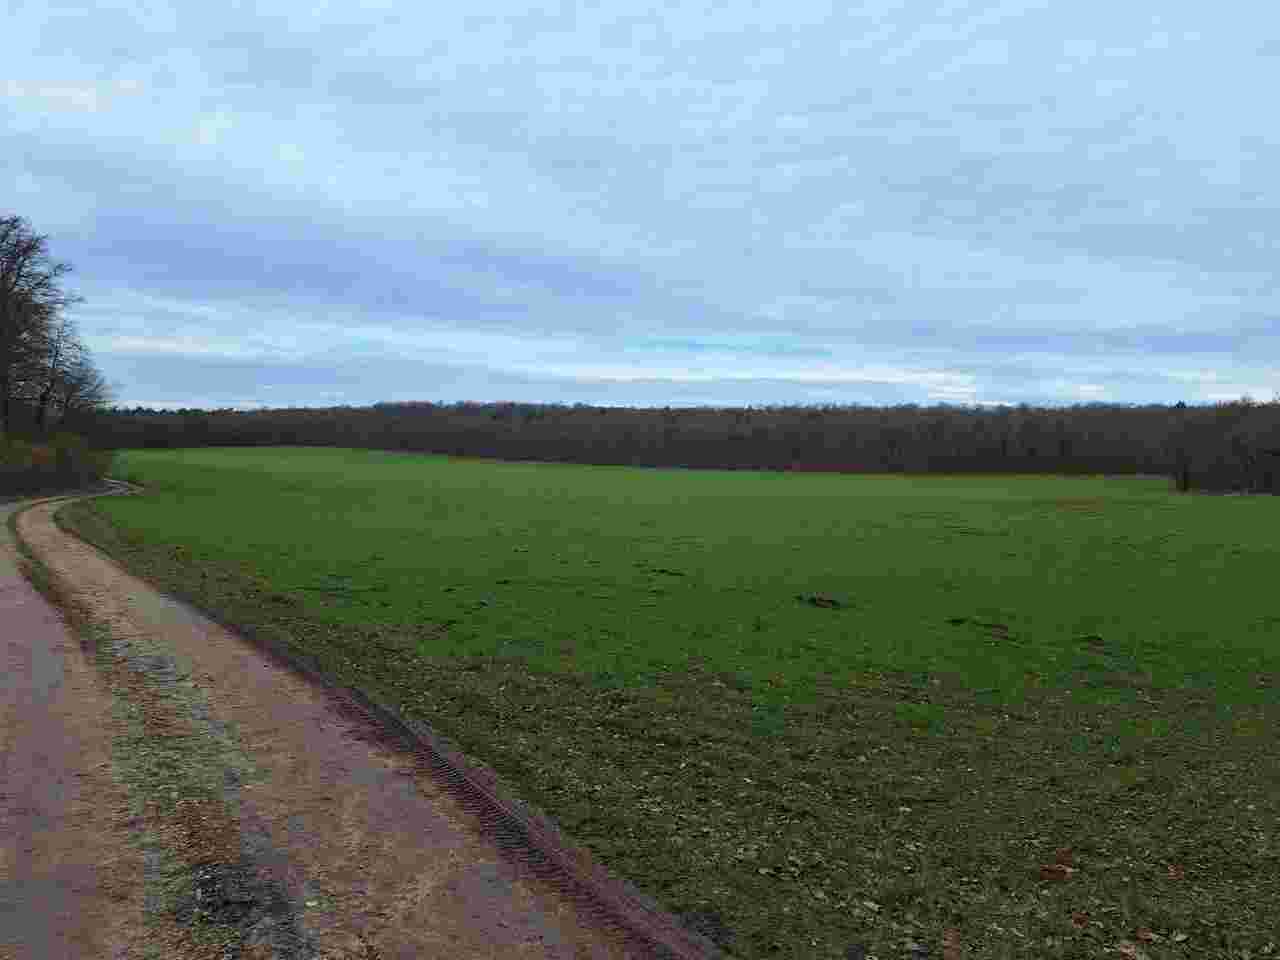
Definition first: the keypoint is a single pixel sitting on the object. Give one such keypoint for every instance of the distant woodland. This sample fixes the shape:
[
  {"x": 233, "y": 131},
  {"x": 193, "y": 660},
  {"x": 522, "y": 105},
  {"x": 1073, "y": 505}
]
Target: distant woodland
[
  {"x": 52, "y": 398},
  {"x": 1225, "y": 447}
]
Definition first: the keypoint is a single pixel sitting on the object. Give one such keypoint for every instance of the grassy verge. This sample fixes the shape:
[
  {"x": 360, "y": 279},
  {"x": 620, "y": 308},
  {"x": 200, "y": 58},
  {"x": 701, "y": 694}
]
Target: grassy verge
[{"x": 817, "y": 716}]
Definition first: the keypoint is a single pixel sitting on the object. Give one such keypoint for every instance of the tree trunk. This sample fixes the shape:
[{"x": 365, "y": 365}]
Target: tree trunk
[
  {"x": 4, "y": 401},
  {"x": 42, "y": 407},
  {"x": 7, "y": 339}
]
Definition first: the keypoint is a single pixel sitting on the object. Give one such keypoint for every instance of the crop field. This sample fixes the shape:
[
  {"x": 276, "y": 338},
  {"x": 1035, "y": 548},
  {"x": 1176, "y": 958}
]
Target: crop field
[{"x": 824, "y": 716}]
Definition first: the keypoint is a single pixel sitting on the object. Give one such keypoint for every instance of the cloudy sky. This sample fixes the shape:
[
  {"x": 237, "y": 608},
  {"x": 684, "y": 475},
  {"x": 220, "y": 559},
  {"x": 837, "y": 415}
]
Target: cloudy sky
[{"x": 742, "y": 202}]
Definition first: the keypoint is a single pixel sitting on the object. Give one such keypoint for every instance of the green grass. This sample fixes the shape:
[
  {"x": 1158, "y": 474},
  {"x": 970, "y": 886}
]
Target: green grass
[{"x": 1015, "y": 665}]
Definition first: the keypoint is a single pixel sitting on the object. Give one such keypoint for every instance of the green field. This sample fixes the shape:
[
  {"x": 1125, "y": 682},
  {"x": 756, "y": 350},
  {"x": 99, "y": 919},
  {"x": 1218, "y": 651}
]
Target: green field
[{"x": 809, "y": 712}]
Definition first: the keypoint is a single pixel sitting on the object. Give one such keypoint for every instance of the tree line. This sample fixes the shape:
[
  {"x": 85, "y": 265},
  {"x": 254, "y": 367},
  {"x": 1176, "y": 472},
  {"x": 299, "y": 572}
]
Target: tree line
[
  {"x": 48, "y": 379},
  {"x": 46, "y": 372},
  {"x": 1232, "y": 446}
]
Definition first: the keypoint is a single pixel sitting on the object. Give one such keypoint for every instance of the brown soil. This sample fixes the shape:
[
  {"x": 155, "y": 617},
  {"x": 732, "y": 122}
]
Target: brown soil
[
  {"x": 70, "y": 882},
  {"x": 319, "y": 839}
]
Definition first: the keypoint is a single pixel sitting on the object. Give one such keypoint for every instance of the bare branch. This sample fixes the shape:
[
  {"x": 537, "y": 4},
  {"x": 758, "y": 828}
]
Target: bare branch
[{"x": 35, "y": 340}]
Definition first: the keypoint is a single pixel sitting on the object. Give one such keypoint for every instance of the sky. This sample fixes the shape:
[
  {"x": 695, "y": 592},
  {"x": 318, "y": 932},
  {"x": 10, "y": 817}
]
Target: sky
[{"x": 676, "y": 203}]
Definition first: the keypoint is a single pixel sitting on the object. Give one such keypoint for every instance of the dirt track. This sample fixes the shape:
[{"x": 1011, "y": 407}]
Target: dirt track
[
  {"x": 69, "y": 878},
  {"x": 237, "y": 808}
]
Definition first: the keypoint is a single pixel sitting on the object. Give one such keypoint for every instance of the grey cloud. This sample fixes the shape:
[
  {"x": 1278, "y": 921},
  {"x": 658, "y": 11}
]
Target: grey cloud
[{"x": 897, "y": 182}]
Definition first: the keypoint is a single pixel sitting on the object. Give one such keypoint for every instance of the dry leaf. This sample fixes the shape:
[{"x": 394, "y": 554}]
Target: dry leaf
[
  {"x": 1176, "y": 872},
  {"x": 1130, "y": 951},
  {"x": 1145, "y": 935},
  {"x": 951, "y": 944},
  {"x": 1056, "y": 871},
  {"x": 1079, "y": 919},
  {"x": 1064, "y": 856}
]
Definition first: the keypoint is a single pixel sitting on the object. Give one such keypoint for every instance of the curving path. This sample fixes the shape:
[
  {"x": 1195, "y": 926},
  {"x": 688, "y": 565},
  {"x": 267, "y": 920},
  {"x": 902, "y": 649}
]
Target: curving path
[
  {"x": 303, "y": 828},
  {"x": 68, "y": 876}
]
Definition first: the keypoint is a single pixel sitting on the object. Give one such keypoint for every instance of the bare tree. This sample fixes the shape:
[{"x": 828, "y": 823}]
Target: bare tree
[
  {"x": 56, "y": 362},
  {"x": 81, "y": 389},
  {"x": 24, "y": 368},
  {"x": 31, "y": 295}
]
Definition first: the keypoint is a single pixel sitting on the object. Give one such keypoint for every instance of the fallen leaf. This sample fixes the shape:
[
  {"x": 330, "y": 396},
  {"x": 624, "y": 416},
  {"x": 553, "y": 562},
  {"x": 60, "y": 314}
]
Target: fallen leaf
[
  {"x": 1131, "y": 951},
  {"x": 1145, "y": 935},
  {"x": 1056, "y": 871},
  {"x": 1079, "y": 920},
  {"x": 1064, "y": 856},
  {"x": 820, "y": 600},
  {"x": 951, "y": 944},
  {"x": 1176, "y": 872}
]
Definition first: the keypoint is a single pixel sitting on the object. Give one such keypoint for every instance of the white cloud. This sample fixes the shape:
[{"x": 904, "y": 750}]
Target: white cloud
[{"x": 72, "y": 97}]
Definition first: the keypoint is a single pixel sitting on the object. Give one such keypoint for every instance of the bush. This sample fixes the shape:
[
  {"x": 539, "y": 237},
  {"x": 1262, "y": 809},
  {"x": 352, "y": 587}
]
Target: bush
[{"x": 62, "y": 462}]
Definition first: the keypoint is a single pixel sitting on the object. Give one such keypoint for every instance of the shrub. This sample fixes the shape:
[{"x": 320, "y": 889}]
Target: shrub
[{"x": 62, "y": 462}]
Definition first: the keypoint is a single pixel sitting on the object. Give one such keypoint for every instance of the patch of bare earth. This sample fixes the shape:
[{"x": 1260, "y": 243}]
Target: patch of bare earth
[
  {"x": 281, "y": 821},
  {"x": 71, "y": 883}
]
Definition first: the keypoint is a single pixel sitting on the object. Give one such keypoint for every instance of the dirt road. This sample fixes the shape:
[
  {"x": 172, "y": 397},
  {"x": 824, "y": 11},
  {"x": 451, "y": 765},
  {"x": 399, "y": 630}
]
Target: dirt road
[
  {"x": 169, "y": 789},
  {"x": 69, "y": 878}
]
